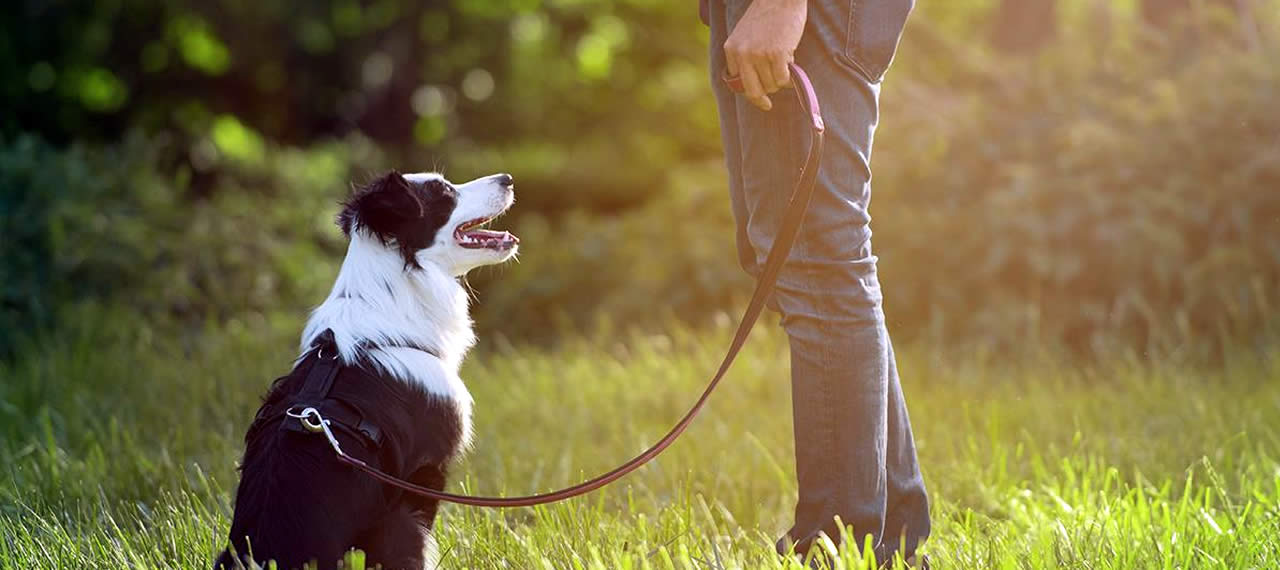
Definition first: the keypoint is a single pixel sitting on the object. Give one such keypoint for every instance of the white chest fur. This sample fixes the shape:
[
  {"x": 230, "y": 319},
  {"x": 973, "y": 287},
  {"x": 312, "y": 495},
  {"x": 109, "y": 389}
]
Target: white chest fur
[{"x": 377, "y": 302}]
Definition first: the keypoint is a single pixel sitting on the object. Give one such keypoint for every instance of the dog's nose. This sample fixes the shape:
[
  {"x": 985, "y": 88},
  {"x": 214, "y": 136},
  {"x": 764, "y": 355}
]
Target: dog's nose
[{"x": 504, "y": 180}]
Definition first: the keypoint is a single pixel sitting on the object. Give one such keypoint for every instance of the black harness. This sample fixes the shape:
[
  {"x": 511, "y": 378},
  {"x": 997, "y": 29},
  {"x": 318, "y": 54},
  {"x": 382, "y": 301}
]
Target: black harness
[{"x": 325, "y": 372}]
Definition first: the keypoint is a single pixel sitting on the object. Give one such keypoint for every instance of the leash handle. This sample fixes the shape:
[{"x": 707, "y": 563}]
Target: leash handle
[
  {"x": 799, "y": 81},
  {"x": 783, "y": 242}
]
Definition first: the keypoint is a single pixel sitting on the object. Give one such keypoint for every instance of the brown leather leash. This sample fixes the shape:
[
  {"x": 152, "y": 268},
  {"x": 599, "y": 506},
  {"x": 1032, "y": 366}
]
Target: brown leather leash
[{"x": 783, "y": 242}]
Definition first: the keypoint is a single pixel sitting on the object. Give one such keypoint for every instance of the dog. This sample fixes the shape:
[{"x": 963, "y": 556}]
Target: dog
[{"x": 379, "y": 359}]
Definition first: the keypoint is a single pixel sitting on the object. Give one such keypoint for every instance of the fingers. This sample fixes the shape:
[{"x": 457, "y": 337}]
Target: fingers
[
  {"x": 731, "y": 60},
  {"x": 742, "y": 66},
  {"x": 781, "y": 72},
  {"x": 761, "y": 74},
  {"x": 773, "y": 72},
  {"x": 753, "y": 88}
]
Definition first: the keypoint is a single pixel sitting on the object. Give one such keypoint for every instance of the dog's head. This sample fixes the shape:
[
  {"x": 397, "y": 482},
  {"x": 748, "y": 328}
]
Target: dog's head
[{"x": 427, "y": 219}]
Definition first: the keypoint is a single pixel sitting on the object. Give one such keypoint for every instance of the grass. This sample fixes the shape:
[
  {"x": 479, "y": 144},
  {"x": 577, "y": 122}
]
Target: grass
[{"x": 118, "y": 447}]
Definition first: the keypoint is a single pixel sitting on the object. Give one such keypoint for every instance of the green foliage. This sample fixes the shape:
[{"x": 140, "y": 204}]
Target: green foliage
[
  {"x": 448, "y": 80},
  {"x": 77, "y": 224},
  {"x": 118, "y": 450},
  {"x": 1087, "y": 201},
  {"x": 674, "y": 257},
  {"x": 198, "y": 45},
  {"x": 98, "y": 223}
]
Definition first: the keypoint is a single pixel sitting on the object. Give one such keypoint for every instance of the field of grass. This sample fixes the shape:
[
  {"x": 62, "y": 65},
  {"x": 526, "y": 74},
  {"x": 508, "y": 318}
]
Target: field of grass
[{"x": 118, "y": 451}]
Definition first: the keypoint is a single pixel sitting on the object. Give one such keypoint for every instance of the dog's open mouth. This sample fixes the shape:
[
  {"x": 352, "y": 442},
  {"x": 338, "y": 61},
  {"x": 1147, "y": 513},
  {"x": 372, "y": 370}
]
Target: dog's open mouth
[{"x": 471, "y": 236}]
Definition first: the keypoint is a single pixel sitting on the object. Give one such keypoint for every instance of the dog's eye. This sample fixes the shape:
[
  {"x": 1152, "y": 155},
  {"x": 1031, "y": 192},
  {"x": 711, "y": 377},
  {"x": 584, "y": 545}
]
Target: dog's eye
[{"x": 442, "y": 187}]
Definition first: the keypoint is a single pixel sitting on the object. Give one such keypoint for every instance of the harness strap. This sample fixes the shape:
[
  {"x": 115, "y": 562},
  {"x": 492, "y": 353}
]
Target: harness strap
[
  {"x": 319, "y": 381},
  {"x": 316, "y": 394}
]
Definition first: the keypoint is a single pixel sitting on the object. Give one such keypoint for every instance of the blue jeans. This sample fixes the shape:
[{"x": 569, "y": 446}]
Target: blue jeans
[{"x": 855, "y": 456}]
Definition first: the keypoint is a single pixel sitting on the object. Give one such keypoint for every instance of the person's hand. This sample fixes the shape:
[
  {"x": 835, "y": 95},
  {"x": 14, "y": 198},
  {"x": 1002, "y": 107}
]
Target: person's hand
[{"x": 762, "y": 44}]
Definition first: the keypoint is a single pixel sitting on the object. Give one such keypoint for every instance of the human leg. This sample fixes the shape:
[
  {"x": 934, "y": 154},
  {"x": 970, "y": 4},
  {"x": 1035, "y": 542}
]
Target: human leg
[{"x": 855, "y": 458}]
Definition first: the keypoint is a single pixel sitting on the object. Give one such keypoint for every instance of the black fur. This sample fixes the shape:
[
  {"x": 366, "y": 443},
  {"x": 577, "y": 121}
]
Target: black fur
[
  {"x": 398, "y": 211},
  {"x": 296, "y": 503}
]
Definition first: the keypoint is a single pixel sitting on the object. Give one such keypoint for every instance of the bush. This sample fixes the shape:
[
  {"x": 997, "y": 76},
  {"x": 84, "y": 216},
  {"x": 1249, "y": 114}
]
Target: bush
[
  {"x": 674, "y": 257},
  {"x": 111, "y": 223},
  {"x": 1088, "y": 202},
  {"x": 78, "y": 223}
]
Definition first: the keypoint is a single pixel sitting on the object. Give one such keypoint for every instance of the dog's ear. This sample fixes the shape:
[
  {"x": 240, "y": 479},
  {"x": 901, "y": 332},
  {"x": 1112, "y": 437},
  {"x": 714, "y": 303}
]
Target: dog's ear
[{"x": 383, "y": 206}]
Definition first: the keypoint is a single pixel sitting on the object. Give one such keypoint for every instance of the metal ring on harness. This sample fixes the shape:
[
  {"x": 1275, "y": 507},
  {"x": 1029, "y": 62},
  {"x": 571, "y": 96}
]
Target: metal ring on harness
[
  {"x": 306, "y": 418},
  {"x": 319, "y": 425}
]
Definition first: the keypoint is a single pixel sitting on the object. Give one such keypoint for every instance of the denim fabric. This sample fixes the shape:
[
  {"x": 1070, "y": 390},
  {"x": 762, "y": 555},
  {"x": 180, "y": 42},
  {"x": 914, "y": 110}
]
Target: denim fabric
[{"x": 855, "y": 456}]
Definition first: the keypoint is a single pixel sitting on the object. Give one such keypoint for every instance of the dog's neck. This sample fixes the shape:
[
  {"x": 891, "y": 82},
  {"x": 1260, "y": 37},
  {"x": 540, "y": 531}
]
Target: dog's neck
[{"x": 377, "y": 301}]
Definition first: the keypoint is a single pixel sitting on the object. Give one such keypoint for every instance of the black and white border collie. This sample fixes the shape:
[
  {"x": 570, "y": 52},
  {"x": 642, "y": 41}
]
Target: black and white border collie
[{"x": 397, "y": 324}]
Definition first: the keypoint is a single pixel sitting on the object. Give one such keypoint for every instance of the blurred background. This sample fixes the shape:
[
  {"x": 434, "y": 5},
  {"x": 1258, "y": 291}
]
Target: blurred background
[{"x": 1096, "y": 175}]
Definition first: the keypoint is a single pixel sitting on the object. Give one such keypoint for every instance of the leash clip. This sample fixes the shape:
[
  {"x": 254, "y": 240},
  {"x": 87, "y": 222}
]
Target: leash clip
[{"x": 313, "y": 422}]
